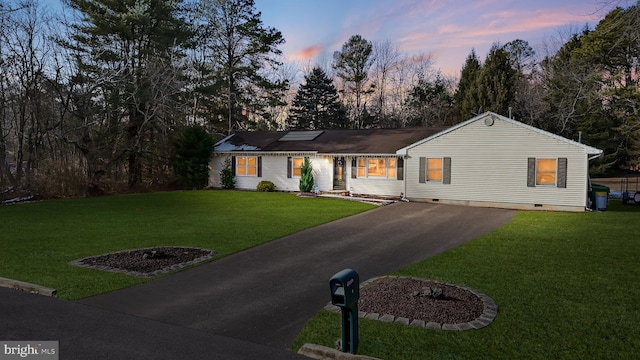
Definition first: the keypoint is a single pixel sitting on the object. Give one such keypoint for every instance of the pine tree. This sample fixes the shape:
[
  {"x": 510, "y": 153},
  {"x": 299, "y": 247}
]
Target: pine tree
[
  {"x": 614, "y": 49},
  {"x": 352, "y": 64},
  {"x": 431, "y": 103},
  {"x": 467, "y": 95},
  {"x": 193, "y": 151},
  {"x": 316, "y": 105},
  {"x": 127, "y": 52},
  {"x": 496, "y": 82}
]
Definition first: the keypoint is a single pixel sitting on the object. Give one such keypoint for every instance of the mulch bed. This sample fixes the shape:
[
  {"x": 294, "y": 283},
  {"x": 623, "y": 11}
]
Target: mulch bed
[
  {"x": 148, "y": 261},
  {"x": 414, "y": 299}
]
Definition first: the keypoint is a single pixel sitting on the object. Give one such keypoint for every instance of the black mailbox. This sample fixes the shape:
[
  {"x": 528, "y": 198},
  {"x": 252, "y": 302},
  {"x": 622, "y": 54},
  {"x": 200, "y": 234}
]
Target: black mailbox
[
  {"x": 345, "y": 288},
  {"x": 345, "y": 291}
]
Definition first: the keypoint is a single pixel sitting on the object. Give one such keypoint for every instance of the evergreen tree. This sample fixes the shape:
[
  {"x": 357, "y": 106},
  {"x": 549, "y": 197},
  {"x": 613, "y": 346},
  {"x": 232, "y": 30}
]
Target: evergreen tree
[
  {"x": 193, "y": 151},
  {"x": 352, "y": 64},
  {"x": 316, "y": 105},
  {"x": 306, "y": 176},
  {"x": 466, "y": 96},
  {"x": 496, "y": 82},
  {"x": 127, "y": 53},
  {"x": 431, "y": 103},
  {"x": 614, "y": 49}
]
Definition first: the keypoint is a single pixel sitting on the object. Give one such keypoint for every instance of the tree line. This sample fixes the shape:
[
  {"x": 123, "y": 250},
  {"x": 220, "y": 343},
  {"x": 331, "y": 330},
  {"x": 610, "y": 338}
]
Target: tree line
[{"x": 109, "y": 96}]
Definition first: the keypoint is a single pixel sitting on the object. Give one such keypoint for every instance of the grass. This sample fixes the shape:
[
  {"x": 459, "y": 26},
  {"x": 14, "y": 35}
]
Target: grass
[
  {"x": 38, "y": 240},
  {"x": 567, "y": 284}
]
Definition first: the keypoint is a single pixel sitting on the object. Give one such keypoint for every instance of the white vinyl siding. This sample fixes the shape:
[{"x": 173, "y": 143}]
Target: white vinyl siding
[
  {"x": 274, "y": 169},
  {"x": 361, "y": 182},
  {"x": 490, "y": 163}
]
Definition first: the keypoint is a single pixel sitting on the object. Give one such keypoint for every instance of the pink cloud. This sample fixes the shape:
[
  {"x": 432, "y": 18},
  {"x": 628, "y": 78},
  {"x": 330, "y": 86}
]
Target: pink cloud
[{"x": 308, "y": 52}]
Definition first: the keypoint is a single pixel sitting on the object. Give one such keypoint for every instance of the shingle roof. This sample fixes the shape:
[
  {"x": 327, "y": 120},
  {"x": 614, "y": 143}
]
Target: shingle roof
[{"x": 334, "y": 141}]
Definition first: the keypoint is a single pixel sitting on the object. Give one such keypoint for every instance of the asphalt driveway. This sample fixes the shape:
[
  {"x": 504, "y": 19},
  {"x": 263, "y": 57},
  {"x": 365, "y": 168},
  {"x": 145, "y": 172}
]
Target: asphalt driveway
[{"x": 265, "y": 295}]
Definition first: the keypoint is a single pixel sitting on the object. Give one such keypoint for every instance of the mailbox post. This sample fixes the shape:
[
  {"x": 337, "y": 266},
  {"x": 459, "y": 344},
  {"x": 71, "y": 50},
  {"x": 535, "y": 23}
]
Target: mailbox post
[{"x": 345, "y": 291}]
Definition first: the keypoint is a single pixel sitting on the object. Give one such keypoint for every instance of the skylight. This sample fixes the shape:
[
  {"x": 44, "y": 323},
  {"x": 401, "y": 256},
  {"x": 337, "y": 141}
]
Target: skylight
[{"x": 301, "y": 135}]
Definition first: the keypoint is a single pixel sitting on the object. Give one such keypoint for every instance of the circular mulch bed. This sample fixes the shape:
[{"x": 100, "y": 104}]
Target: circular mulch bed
[
  {"x": 147, "y": 262},
  {"x": 424, "y": 303}
]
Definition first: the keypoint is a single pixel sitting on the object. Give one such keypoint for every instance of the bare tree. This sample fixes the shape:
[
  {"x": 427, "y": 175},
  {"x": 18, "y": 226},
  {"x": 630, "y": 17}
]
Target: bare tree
[
  {"x": 26, "y": 111},
  {"x": 387, "y": 57},
  {"x": 240, "y": 52}
]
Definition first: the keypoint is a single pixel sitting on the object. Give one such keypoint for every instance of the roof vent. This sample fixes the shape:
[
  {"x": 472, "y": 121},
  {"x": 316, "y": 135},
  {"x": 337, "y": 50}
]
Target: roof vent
[
  {"x": 488, "y": 120},
  {"x": 301, "y": 135}
]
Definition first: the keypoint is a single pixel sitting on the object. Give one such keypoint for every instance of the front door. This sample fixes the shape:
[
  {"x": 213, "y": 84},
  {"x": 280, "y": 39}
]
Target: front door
[{"x": 339, "y": 177}]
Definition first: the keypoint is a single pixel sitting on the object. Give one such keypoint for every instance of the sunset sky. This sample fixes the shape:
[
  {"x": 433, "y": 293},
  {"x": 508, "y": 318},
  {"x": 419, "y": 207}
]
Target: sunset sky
[{"x": 448, "y": 30}]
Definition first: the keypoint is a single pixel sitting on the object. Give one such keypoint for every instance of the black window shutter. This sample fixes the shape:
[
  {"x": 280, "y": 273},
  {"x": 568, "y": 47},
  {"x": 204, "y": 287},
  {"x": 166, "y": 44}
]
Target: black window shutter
[
  {"x": 531, "y": 172},
  {"x": 289, "y": 162},
  {"x": 446, "y": 171},
  {"x": 562, "y": 173},
  {"x": 233, "y": 165},
  {"x": 259, "y": 166},
  {"x": 422, "y": 176},
  {"x": 354, "y": 168},
  {"x": 400, "y": 169}
]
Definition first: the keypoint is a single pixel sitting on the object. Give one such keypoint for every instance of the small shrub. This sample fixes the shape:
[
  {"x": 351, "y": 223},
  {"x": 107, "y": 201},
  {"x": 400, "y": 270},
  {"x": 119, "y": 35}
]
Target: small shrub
[
  {"x": 266, "y": 186},
  {"x": 227, "y": 177}
]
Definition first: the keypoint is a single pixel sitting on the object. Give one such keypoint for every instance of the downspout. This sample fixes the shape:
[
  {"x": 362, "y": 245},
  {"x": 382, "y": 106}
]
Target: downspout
[
  {"x": 588, "y": 200},
  {"x": 404, "y": 178}
]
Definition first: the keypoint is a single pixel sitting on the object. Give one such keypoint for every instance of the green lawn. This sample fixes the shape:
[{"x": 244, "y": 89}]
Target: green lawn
[
  {"x": 567, "y": 284},
  {"x": 38, "y": 240}
]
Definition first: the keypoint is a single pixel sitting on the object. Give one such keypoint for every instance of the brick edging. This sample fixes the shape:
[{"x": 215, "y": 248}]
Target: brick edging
[{"x": 487, "y": 317}]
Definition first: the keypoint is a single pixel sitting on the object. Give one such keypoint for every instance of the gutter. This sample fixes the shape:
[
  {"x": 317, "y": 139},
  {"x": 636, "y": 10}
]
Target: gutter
[{"x": 601, "y": 154}]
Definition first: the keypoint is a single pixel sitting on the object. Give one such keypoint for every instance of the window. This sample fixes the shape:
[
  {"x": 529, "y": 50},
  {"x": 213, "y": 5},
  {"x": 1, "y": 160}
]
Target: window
[
  {"x": 546, "y": 171},
  {"x": 296, "y": 166},
  {"x": 246, "y": 166},
  {"x": 434, "y": 169},
  {"x": 362, "y": 170},
  {"x": 392, "y": 165},
  {"x": 377, "y": 167}
]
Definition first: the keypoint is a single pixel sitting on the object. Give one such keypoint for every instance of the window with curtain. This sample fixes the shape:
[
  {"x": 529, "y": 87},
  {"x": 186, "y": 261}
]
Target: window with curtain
[
  {"x": 434, "y": 169},
  {"x": 546, "y": 171},
  {"x": 377, "y": 167}
]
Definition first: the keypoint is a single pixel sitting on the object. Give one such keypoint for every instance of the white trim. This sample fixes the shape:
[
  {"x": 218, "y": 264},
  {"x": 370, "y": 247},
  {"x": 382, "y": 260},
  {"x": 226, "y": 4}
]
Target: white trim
[
  {"x": 305, "y": 153},
  {"x": 265, "y": 152}
]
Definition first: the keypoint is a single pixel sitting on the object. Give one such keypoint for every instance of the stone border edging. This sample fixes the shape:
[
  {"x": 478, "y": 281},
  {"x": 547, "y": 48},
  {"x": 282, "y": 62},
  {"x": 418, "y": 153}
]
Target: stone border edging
[
  {"x": 25, "y": 286},
  {"x": 488, "y": 316},
  {"x": 325, "y": 353},
  {"x": 168, "y": 269}
]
